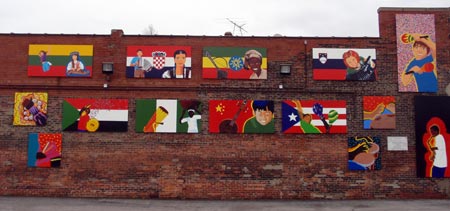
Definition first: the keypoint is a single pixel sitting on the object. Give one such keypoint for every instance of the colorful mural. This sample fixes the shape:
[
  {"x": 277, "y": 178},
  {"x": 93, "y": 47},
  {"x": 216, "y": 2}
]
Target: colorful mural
[
  {"x": 234, "y": 63},
  {"x": 432, "y": 136},
  {"x": 241, "y": 116},
  {"x": 416, "y": 53},
  {"x": 44, "y": 150},
  {"x": 344, "y": 64},
  {"x": 60, "y": 60},
  {"x": 159, "y": 62},
  {"x": 314, "y": 116},
  {"x": 379, "y": 112},
  {"x": 30, "y": 108},
  {"x": 93, "y": 115},
  {"x": 364, "y": 153},
  {"x": 168, "y": 116}
]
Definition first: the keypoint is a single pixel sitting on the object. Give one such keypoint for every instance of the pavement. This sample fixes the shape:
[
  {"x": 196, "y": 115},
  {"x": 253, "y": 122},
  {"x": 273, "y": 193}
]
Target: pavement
[{"x": 90, "y": 204}]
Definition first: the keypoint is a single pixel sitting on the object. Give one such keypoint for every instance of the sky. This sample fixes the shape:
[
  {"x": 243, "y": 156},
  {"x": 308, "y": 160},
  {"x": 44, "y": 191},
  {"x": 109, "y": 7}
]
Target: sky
[{"x": 323, "y": 18}]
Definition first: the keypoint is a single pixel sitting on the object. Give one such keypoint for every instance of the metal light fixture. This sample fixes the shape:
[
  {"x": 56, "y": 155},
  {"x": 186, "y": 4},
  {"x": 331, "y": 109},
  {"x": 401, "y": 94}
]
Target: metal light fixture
[
  {"x": 285, "y": 69},
  {"x": 108, "y": 69}
]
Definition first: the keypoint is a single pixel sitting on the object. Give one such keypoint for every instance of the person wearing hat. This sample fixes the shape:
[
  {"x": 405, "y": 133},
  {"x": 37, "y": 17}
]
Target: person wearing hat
[
  {"x": 191, "y": 120},
  {"x": 75, "y": 67},
  {"x": 253, "y": 61}
]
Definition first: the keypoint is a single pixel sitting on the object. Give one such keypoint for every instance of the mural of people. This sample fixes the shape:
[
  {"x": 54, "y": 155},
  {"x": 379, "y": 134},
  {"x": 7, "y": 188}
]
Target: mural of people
[
  {"x": 437, "y": 145},
  {"x": 76, "y": 67},
  {"x": 363, "y": 153},
  {"x": 262, "y": 121},
  {"x": 84, "y": 118},
  {"x": 379, "y": 112},
  {"x": 179, "y": 70},
  {"x": 138, "y": 62},
  {"x": 358, "y": 67},
  {"x": 253, "y": 61},
  {"x": 421, "y": 69},
  {"x": 30, "y": 108},
  {"x": 191, "y": 119},
  {"x": 43, "y": 59}
]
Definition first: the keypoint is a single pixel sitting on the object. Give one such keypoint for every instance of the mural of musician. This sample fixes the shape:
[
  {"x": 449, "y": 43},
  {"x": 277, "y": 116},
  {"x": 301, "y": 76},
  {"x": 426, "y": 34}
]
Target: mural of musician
[
  {"x": 168, "y": 116},
  {"x": 364, "y": 153},
  {"x": 48, "y": 60},
  {"x": 314, "y": 116},
  {"x": 416, "y": 53},
  {"x": 344, "y": 64},
  {"x": 159, "y": 62},
  {"x": 241, "y": 116},
  {"x": 44, "y": 150},
  {"x": 379, "y": 112},
  {"x": 432, "y": 136},
  {"x": 30, "y": 108},
  {"x": 95, "y": 115},
  {"x": 234, "y": 63}
]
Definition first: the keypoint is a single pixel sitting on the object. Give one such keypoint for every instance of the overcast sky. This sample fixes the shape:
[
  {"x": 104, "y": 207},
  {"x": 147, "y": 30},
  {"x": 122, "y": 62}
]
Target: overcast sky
[{"x": 340, "y": 18}]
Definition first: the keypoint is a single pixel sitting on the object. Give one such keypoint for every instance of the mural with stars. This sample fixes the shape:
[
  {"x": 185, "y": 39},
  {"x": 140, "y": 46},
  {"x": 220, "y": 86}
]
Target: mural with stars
[
  {"x": 314, "y": 116},
  {"x": 241, "y": 116},
  {"x": 234, "y": 63}
]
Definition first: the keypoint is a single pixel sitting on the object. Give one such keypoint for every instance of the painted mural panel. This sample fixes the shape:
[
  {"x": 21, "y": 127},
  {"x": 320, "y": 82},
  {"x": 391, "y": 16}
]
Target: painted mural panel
[
  {"x": 351, "y": 64},
  {"x": 241, "y": 116},
  {"x": 159, "y": 62},
  {"x": 94, "y": 115},
  {"x": 379, "y": 112},
  {"x": 30, "y": 108},
  {"x": 60, "y": 60},
  {"x": 432, "y": 136},
  {"x": 44, "y": 150},
  {"x": 168, "y": 116},
  {"x": 364, "y": 153},
  {"x": 234, "y": 63},
  {"x": 416, "y": 53},
  {"x": 314, "y": 116}
]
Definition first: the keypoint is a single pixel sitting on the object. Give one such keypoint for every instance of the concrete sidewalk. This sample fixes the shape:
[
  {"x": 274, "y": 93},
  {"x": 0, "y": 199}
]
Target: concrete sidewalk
[{"x": 77, "y": 204}]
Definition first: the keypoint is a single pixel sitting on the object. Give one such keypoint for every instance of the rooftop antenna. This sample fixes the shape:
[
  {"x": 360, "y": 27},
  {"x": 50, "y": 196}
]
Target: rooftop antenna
[{"x": 235, "y": 25}]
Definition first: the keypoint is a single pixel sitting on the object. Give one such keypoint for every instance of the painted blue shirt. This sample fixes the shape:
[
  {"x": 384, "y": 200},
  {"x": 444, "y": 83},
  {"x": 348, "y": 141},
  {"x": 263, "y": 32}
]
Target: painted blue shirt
[{"x": 427, "y": 81}]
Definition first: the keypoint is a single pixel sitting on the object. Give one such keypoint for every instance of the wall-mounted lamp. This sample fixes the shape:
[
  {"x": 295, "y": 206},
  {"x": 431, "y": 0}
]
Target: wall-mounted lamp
[
  {"x": 108, "y": 69},
  {"x": 285, "y": 69}
]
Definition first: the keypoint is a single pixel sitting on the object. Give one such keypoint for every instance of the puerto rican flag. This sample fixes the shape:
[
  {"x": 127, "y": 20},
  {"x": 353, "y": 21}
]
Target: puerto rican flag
[{"x": 334, "y": 113}]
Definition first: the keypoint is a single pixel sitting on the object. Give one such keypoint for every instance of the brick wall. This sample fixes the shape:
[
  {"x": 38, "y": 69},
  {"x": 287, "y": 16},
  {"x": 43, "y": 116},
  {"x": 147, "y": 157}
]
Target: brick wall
[{"x": 216, "y": 166}]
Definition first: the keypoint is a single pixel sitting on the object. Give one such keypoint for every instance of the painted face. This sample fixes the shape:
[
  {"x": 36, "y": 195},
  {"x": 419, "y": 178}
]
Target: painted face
[
  {"x": 352, "y": 62},
  {"x": 74, "y": 57},
  {"x": 180, "y": 59},
  {"x": 420, "y": 52},
  {"x": 139, "y": 53},
  {"x": 255, "y": 64},
  {"x": 263, "y": 117}
]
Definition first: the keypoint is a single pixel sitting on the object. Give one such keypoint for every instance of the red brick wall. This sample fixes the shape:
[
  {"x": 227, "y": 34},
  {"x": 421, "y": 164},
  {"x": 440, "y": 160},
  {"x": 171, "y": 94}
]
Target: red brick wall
[{"x": 215, "y": 166}]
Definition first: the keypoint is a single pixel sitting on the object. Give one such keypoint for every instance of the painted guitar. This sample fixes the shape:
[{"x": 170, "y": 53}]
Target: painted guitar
[{"x": 229, "y": 125}]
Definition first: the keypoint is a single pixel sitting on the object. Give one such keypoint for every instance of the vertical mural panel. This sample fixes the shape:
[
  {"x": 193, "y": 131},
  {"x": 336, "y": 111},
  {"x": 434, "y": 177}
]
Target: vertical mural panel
[
  {"x": 344, "y": 64},
  {"x": 416, "y": 53},
  {"x": 241, "y": 116},
  {"x": 60, "y": 60},
  {"x": 30, "y": 108},
  {"x": 314, "y": 116},
  {"x": 93, "y": 115},
  {"x": 168, "y": 116},
  {"x": 158, "y": 62},
  {"x": 432, "y": 136},
  {"x": 44, "y": 150},
  {"x": 364, "y": 153},
  {"x": 234, "y": 63},
  {"x": 379, "y": 112}
]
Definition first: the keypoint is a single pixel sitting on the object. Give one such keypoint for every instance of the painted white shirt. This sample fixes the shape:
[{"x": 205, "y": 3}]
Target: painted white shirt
[
  {"x": 440, "y": 160},
  {"x": 192, "y": 123}
]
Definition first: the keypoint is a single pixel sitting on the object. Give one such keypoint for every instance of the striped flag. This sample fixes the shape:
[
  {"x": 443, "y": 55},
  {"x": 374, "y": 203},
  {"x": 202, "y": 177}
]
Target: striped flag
[
  {"x": 313, "y": 116},
  {"x": 92, "y": 115},
  {"x": 44, "y": 149},
  {"x": 53, "y": 60},
  {"x": 158, "y": 61},
  {"x": 229, "y": 63},
  {"x": 168, "y": 116},
  {"x": 328, "y": 64}
]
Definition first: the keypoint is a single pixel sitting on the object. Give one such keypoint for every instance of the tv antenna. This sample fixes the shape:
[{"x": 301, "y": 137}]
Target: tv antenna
[{"x": 235, "y": 25}]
